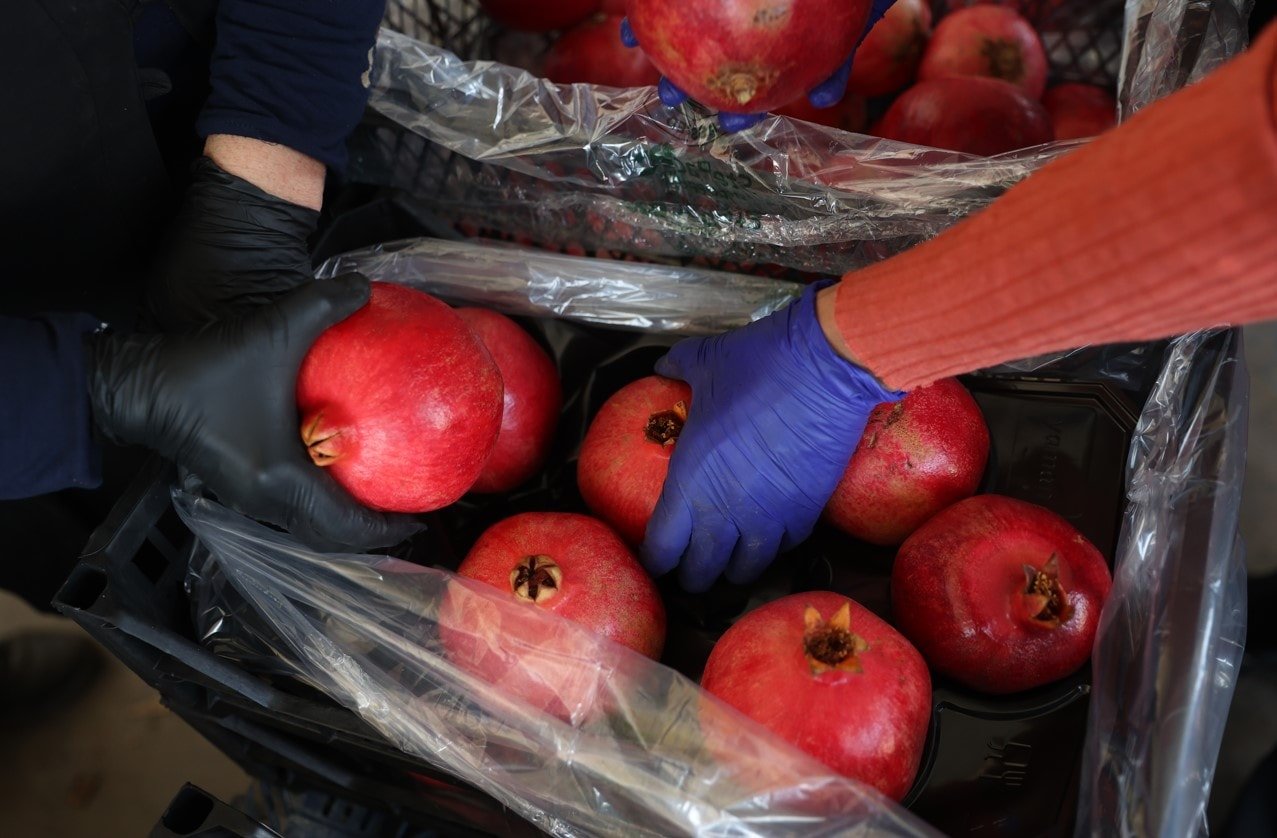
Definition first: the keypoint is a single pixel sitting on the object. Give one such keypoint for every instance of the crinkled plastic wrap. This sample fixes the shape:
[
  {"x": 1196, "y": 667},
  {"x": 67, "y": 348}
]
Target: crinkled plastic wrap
[
  {"x": 661, "y": 757},
  {"x": 493, "y": 150},
  {"x": 516, "y": 280}
]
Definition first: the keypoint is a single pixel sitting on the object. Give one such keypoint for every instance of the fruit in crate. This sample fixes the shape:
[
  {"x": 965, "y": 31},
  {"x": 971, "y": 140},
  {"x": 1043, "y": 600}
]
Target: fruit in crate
[
  {"x": 570, "y": 565},
  {"x": 1080, "y": 110},
  {"x": 973, "y": 115},
  {"x": 592, "y": 53},
  {"x": 745, "y": 56},
  {"x": 999, "y": 594},
  {"x": 827, "y": 675},
  {"x": 533, "y": 397},
  {"x": 850, "y": 114},
  {"x": 400, "y": 402},
  {"x": 888, "y": 58},
  {"x": 626, "y": 452},
  {"x": 917, "y": 456},
  {"x": 539, "y": 16},
  {"x": 987, "y": 41}
]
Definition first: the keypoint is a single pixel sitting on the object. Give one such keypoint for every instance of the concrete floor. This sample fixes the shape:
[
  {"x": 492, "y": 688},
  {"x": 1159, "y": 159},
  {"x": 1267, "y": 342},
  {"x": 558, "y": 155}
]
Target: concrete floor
[{"x": 109, "y": 763}]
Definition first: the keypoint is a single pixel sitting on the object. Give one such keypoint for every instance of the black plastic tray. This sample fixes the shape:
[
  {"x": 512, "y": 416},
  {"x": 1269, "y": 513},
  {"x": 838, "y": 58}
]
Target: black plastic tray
[
  {"x": 993, "y": 766},
  {"x": 195, "y": 812}
]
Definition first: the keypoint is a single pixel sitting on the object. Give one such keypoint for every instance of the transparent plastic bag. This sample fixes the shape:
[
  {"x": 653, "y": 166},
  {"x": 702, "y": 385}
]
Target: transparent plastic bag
[
  {"x": 491, "y": 149},
  {"x": 365, "y": 630}
]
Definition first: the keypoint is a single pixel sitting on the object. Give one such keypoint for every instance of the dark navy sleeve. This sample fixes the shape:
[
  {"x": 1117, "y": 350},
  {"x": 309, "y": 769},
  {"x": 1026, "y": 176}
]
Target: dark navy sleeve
[
  {"x": 292, "y": 72},
  {"x": 46, "y": 423}
]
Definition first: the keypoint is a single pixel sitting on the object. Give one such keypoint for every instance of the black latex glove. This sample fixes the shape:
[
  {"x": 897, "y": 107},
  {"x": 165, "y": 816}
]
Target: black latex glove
[
  {"x": 221, "y": 403},
  {"x": 230, "y": 247}
]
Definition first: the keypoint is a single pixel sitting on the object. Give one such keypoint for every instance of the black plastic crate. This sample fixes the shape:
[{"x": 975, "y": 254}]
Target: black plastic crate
[
  {"x": 993, "y": 765},
  {"x": 195, "y": 812}
]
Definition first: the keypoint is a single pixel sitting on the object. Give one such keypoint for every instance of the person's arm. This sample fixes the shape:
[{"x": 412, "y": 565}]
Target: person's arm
[{"x": 1165, "y": 225}]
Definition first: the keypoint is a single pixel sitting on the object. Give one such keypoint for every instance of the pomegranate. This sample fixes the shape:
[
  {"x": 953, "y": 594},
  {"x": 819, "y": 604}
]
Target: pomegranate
[
  {"x": 626, "y": 452},
  {"x": 888, "y": 58},
  {"x": 1080, "y": 110},
  {"x": 850, "y": 114},
  {"x": 541, "y": 16},
  {"x": 992, "y": 41},
  {"x": 999, "y": 594},
  {"x": 916, "y": 457},
  {"x": 592, "y": 53},
  {"x": 974, "y": 115},
  {"x": 533, "y": 398},
  {"x": 747, "y": 56},
  {"x": 400, "y": 402},
  {"x": 824, "y": 673},
  {"x": 570, "y": 565}
]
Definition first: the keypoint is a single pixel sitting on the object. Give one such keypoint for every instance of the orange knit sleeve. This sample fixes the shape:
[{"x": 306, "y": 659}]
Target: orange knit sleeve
[{"x": 1164, "y": 225}]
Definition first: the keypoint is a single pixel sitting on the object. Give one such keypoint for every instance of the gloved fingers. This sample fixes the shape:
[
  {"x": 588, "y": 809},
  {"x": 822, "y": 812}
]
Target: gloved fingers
[
  {"x": 734, "y": 122},
  {"x": 829, "y": 92},
  {"x": 329, "y": 517},
  {"x": 798, "y": 530},
  {"x": 713, "y": 540},
  {"x": 756, "y": 550},
  {"x": 876, "y": 12},
  {"x": 627, "y": 34},
  {"x": 668, "y": 530},
  {"x": 682, "y": 359},
  {"x": 314, "y": 307},
  {"x": 671, "y": 96}
]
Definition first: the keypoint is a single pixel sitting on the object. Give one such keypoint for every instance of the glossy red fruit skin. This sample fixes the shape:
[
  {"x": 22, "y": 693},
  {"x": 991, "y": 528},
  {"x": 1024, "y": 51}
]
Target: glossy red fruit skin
[
  {"x": 747, "y": 56},
  {"x": 539, "y": 15},
  {"x": 1080, "y": 110},
  {"x": 972, "y": 115},
  {"x": 401, "y": 401},
  {"x": 850, "y": 114},
  {"x": 620, "y": 471},
  {"x": 986, "y": 41},
  {"x": 870, "y": 725},
  {"x": 592, "y": 53},
  {"x": 888, "y": 58},
  {"x": 916, "y": 457},
  {"x": 957, "y": 592},
  {"x": 602, "y": 587},
  {"x": 532, "y": 401}
]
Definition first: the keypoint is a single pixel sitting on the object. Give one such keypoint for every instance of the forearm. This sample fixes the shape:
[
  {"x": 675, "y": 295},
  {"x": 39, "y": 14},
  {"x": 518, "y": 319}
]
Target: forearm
[
  {"x": 1162, "y": 226},
  {"x": 47, "y": 442}
]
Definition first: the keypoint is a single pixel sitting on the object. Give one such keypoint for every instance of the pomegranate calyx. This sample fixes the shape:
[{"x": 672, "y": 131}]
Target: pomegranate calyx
[
  {"x": 664, "y": 426},
  {"x": 314, "y": 438},
  {"x": 1045, "y": 599},
  {"x": 536, "y": 578},
  {"x": 831, "y": 644},
  {"x": 1005, "y": 60}
]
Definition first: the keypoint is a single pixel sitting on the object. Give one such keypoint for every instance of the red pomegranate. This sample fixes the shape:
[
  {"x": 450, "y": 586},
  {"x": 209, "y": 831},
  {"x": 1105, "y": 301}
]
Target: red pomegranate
[
  {"x": 747, "y": 56},
  {"x": 533, "y": 398},
  {"x": 400, "y": 402},
  {"x": 989, "y": 41},
  {"x": 827, "y": 675},
  {"x": 1080, "y": 110},
  {"x": 540, "y": 16},
  {"x": 570, "y": 565},
  {"x": 916, "y": 457},
  {"x": 592, "y": 53},
  {"x": 850, "y": 114},
  {"x": 974, "y": 115},
  {"x": 888, "y": 58},
  {"x": 626, "y": 452},
  {"x": 999, "y": 594}
]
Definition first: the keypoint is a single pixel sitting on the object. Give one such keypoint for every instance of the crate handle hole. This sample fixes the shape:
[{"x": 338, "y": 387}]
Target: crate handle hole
[
  {"x": 188, "y": 811},
  {"x": 83, "y": 588}
]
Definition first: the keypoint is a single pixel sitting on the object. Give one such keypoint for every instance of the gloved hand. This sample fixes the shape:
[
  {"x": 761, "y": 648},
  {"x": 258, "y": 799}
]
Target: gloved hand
[
  {"x": 221, "y": 403},
  {"x": 824, "y": 95},
  {"x": 776, "y": 415},
  {"x": 231, "y": 247}
]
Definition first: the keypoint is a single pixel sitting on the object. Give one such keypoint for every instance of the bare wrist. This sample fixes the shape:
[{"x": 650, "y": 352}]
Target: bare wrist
[{"x": 275, "y": 169}]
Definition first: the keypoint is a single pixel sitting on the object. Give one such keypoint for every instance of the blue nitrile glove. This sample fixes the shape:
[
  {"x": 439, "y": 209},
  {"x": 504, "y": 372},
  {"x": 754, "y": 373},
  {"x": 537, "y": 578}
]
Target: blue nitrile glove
[
  {"x": 776, "y": 415},
  {"x": 824, "y": 95}
]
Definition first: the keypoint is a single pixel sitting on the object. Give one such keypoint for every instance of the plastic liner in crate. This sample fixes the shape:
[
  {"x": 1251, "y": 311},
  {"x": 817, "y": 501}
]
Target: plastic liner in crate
[
  {"x": 497, "y": 151},
  {"x": 365, "y": 631},
  {"x": 195, "y": 812}
]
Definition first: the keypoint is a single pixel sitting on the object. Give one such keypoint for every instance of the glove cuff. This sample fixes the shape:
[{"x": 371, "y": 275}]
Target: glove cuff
[{"x": 842, "y": 376}]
